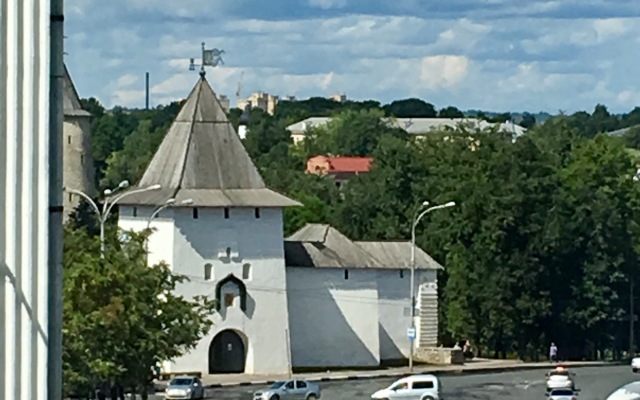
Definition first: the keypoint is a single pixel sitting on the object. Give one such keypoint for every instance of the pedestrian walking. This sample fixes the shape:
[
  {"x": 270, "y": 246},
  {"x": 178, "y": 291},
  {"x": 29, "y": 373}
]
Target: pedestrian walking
[{"x": 553, "y": 352}]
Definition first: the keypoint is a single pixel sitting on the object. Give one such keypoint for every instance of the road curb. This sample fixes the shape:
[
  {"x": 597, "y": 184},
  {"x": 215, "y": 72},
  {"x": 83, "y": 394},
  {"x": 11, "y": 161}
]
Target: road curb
[{"x": 459, "y": 371}]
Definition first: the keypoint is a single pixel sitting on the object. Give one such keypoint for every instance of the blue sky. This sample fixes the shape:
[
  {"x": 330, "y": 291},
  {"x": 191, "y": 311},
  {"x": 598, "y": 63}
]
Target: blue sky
[{"x": 497, "y": 55}]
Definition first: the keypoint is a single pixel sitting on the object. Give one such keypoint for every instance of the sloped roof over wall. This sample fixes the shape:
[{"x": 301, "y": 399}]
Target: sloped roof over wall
[
  {"x": 70, "y": 99},
  {"x": 417, "y": 126},
  {"x": 202, "y": 158},
  {"x": 322, "y": 246}
]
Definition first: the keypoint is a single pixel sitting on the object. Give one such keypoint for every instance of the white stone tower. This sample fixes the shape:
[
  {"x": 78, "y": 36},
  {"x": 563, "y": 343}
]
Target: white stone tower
[
  {"x": 225, "y": 232},
  {"x": 78, "y": 172}
]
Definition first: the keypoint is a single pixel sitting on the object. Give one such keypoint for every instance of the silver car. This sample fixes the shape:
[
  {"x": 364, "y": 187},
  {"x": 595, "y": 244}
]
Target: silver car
[
  {"x": 561, "y": 378},
  {"x": 562, "y": 394},
  {"x": 184, "y": 387},
  {"x": 289, "y": 390}
]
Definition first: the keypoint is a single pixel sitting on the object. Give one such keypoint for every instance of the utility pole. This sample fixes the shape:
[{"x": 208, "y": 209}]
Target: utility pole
[
  {"x": 146, "y": 90},
  {"x": 56, "y": 115},
  {"x": 632, "y": 319}
]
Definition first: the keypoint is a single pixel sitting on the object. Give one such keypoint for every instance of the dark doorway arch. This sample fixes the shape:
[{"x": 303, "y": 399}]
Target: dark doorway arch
[
  {"x": 241, "y": 288},
  {"x": 227, "y": 353}
]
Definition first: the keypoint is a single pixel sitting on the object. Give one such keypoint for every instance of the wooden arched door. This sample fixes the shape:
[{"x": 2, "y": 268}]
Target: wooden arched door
[{"x": 227, "y": 353}]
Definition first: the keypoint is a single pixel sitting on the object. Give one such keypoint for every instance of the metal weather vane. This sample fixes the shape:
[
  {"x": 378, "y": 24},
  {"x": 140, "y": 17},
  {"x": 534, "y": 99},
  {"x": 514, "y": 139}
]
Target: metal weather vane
[{"x": 210, "y": 58}]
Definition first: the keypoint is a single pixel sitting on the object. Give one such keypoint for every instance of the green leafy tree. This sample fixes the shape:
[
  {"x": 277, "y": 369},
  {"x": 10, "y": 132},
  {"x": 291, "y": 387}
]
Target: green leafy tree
[
  {"x": 411, "y": 108},
  {"x": 117, "y": 330},
  {"x": 450, "y": 112},
  {"x": 131, "y": 162}
]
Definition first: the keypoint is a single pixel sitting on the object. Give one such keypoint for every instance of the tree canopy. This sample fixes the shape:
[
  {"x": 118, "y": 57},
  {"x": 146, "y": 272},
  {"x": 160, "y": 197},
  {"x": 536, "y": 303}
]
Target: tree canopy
[
  {"x": 542, "y": 245},
  {"x": 121, "y": 317}
]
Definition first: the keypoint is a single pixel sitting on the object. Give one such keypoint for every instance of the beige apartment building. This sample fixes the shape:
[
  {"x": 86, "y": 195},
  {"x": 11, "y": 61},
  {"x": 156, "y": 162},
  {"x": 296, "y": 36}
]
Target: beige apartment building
[{"x": 264, "y": 101}]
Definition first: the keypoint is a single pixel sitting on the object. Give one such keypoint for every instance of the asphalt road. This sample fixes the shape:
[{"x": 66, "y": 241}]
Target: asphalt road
[{"x": 594, "y": 383}]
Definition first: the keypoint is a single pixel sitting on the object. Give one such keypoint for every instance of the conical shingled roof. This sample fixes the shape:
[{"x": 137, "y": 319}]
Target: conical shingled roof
[
  {"x": 202, "y": 158},
  {"x": 70, "y": 99}
]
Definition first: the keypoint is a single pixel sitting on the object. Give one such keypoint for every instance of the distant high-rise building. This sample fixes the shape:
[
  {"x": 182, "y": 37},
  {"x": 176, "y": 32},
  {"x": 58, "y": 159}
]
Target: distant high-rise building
[{"x": 264, "y": 101}]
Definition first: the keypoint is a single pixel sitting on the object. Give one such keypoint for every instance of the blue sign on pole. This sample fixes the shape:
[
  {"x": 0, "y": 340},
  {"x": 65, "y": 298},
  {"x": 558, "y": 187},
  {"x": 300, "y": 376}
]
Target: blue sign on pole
[{"x": 411, "y": 333}]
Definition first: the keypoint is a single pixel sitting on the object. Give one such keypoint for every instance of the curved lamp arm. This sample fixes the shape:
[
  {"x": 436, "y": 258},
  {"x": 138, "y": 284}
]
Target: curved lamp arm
[
  {"x": 428, "y": 210},
  {"x": 167, "y": 204},
  {"x": 157, "y": 211},
  {"x": 88, "y": 199},
  {"x": 122, "y": 196}
]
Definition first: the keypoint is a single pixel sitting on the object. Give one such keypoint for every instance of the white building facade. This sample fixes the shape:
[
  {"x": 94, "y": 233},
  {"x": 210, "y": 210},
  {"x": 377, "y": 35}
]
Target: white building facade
[
  {"x": 228, "y": 240},
  {"x": 24, "y": 199},
  {"x": 350, "y": 302},
  {"x": 317, "y": 299}
]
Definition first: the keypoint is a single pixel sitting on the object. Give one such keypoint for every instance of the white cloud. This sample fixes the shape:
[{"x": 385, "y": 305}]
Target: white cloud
[
  {"x": 128, "y": 98},
  {"x": 126, "y": 80},
  {"x": 327, "y": 4},
  {"x": 529, "y": 55},
  {"x": 443, "y": 71},
  {"x": 611, "y": 28}
]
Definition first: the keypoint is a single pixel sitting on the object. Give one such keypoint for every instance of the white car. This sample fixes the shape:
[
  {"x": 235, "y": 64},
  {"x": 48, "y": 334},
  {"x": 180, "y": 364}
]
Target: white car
[
  {"x": 561, "y": 378},
  {"x": 562, "y": 394},
  {"x": 635, "y": 364},
  {"x": 419, "y": 387}
]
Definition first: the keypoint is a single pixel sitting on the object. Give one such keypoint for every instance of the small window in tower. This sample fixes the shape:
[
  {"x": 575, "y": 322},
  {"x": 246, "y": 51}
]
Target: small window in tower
[
  {"x": 70, "y": 197},
  {"x": 82, "y": 159},
  {"x": 228, "y": 251},
  {"x": 257, "y": 212},
  {"x": 69, "y": 139},
  {"x": 135, "y": 211},
  {"x": 228, "y": 299},
  {"x": 226, "y": 213},
  {"x": 195, "y": 213},
  {"x": 346, "y": 274},
  {"x": 246, "y": 271},
  {"x": 401, "y": 273},
  {"x": 207, "y": 272}
]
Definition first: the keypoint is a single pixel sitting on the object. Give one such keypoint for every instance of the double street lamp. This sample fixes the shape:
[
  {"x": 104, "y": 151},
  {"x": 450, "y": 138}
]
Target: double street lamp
[
  {"x": 108, "y": 204},
  {"x": 416, "y": 220},
  {"x": 169, "y": 203}
]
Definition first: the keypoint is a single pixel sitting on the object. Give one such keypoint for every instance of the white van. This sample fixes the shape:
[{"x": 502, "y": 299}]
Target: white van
[{"x": 419, "y": 387}]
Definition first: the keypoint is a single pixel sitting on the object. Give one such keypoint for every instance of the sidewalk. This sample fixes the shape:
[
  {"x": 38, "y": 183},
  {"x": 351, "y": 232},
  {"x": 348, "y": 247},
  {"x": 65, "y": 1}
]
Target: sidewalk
[{"x": 475, "y": 366}]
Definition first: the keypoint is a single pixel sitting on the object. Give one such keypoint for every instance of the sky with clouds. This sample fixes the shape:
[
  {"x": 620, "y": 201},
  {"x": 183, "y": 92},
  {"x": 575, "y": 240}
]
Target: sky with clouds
[{"x": 495, "y": 55}]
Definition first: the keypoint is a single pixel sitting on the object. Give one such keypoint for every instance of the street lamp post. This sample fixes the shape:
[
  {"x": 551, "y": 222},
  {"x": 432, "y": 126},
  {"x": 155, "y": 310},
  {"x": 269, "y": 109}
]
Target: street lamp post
[
  {"x": 167, "y": 204},
  {"x": 416, "y": 220},
  {"x": 107, "y": 206},
  {"x": 170, "y": 202},
  {"x": 632, "y": 321}
]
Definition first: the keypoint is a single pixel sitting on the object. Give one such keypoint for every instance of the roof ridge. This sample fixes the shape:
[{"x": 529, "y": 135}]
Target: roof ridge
[{"x": 189, "y": 137}]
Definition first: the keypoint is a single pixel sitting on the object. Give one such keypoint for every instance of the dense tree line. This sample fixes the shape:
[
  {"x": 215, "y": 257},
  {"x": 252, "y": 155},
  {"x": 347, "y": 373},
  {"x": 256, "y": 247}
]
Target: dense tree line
[{"x": 542, "y": 246}]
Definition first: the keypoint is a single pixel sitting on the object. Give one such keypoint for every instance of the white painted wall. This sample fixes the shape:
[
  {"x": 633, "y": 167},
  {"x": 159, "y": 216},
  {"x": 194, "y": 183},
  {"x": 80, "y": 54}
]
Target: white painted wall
[
  {"x": 160, "y": 244},
  {"x": 394, "y": 293},
  {"x": 352, "y": 322},
  {"x": 334, "y": 321},
  {"x": 254, "y": 241},
  {"x": 24, "y": 179}
]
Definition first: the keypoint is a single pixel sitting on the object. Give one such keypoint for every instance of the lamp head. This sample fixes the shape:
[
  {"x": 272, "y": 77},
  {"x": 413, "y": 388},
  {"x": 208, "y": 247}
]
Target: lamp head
[
  {"x": 425, "y": 203},
  {"x": 155, "y": 187},
  {"x": 186, "y": 202},
  {"x": 123, "y": 184},
  {"x": 107, "y": 192},
  {"x": 450, "y": 204}
]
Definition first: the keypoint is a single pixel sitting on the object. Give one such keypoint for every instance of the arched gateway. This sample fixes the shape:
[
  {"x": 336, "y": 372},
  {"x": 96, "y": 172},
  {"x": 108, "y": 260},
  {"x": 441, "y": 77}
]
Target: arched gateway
[{"x": 227, "y": 353}]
